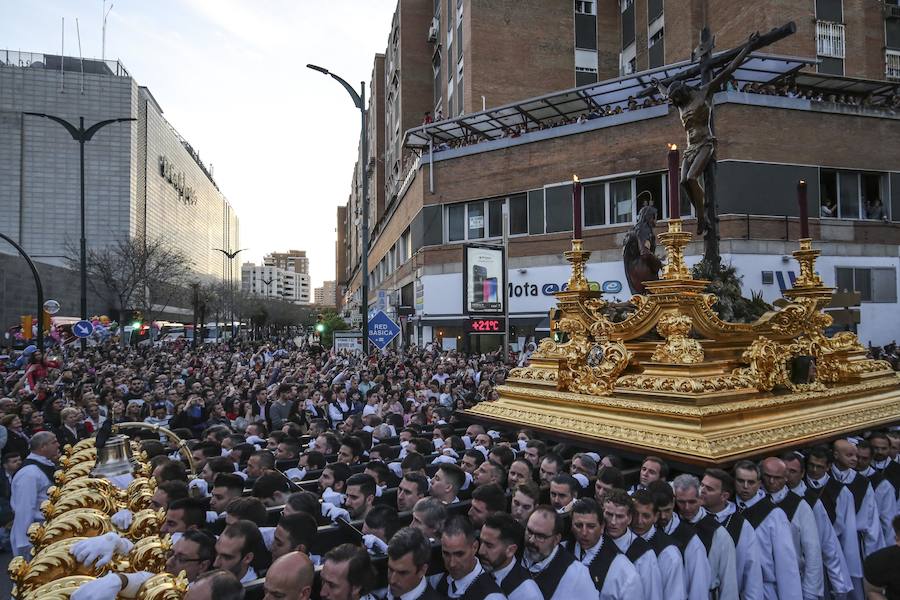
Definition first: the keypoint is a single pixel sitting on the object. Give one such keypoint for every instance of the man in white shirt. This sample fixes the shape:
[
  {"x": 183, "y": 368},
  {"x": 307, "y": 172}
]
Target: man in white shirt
[
  {"x": 346, "y": 573},
  {"x": 652, "y": 469},
  {"x": 501, "y": 539},
  {"x": 885, "y": 494},
  {"x": 698, "y": 578},
  {"x": 833, "y": 561},
  {"x": 465, "y": 578},
  {"x": 617, "y": 513},
  {"x": 556, "y": 572},
  {"x": 236, "y": 550},
  {"x": 29, "y": 488},
  {"x": 612, "y": 573},
  {"x": 778, "y": 556},
  {"x": 409, "y": 553},
  {"x": 803, "y": 525},
  {"x": 668, "y": 555},
  {"x": 868, "y": 520}
]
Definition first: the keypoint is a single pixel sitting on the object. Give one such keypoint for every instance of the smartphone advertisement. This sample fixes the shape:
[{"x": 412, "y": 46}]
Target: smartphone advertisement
[{"x": 483, "y": 279}]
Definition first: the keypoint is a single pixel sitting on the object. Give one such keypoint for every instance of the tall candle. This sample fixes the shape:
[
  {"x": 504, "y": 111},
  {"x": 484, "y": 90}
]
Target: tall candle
[
  {"x": 674, "y": 188},
  {"x": 804, "y": 212},
  {"x": 576, "y": 208}
]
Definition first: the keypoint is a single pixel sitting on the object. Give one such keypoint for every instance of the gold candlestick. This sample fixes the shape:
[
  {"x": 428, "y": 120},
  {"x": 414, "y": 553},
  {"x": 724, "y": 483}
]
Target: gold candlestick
[
  {"x": 806, "y": 257},
  {"x": 577, "y": 257},
  {"x": 675, "y": 241}
]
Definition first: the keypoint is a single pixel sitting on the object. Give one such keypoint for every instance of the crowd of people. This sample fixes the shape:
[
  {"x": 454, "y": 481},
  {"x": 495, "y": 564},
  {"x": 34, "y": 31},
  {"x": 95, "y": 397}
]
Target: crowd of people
[
  {"x": 340, "y": 477},
  {"x": 787, "y": 88}
]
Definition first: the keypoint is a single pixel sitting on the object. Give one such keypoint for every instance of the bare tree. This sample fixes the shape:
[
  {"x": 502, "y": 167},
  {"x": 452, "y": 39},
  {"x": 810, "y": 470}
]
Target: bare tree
[{"x": 146, "y": 274}]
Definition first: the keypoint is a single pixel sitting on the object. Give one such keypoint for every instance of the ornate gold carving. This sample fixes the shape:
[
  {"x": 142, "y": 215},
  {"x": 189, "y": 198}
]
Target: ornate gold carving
[
  {"x": 53, "y": 562},
  {"x": 678, "y": 348},
  {"x": 59, "y": 589},
  {"x": 675, "y": 241},
  {"x": 86, "y": 522},
  {"x": 77, "y": 499},
  {"x": 150, "y": 553},
  {"x": 146, "y": 522},
  {"x": 806, "y": 257},
  {"x": 164, "y": 587}
]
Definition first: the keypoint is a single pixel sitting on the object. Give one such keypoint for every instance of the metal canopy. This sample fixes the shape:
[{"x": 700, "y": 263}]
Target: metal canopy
[
  {"x": 551, "y": 108},
  {"x": 846, "y": 85}
]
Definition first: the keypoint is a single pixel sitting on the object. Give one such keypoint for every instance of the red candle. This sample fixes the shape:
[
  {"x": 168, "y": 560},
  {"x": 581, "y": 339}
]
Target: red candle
[
  {"x": 674, "y": 188},
  {"x": 804, "y": 211},
  {"x": 576, "y": 208}
]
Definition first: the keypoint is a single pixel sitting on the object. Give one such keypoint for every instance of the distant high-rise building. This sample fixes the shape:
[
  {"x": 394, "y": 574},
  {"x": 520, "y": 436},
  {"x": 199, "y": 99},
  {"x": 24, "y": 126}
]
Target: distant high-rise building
[
  {"x": 292, "y": 260},
  {"x": 326, "y": 295},
  {"x": 269, "y": 281}
]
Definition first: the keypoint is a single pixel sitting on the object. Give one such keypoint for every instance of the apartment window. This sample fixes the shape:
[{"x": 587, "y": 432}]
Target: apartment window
[
  {"x": 585, "y": 76},
  {"x": 830, "y": 39},
  {"x": 657, "y": 49},
  {"x": 594, "y": 198},
  {"x": 585, "y": 30},
  {"x": 450, "y": 105},
  {"x": 456, "y": 222},
  {"x": 627, "y": 23},
  {"x": 558, "y": 208},
  {"x": 621, "y": 201},
  {"x": 654, "y": 10},
  {"x": 518, "y": 214},
  {"x": 875, "y": 284},
  {"x": 495, "y": 217},
  {"x": 475, "y": 220},
  {"x": 852, "y": 195},
  {"x": 892, "y": 64},
  {"x": 438, "y": 84},
  {"x": 830, "y": 10},
  {"x": 459, "y": 90},
  {"x": 585, "y": 7},
  {"x": 459, "y": 44}
]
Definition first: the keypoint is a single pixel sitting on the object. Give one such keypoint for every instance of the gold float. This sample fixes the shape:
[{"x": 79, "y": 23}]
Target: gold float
[{"x": 674, "y": 379}]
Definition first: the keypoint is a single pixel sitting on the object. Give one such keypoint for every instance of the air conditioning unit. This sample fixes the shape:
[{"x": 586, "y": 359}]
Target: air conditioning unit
[{"x": 432, "y": 34}]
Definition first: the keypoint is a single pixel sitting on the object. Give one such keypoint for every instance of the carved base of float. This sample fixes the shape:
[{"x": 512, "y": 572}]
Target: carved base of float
[{"x": 675, "y": 380}]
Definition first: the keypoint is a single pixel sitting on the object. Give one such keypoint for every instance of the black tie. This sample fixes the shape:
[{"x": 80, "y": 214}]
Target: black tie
[{"x": 452, "y": 587}]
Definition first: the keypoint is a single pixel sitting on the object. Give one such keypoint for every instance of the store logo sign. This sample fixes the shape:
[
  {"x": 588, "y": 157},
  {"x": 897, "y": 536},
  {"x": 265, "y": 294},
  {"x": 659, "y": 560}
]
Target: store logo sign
[{"x": 167, "y": 171}]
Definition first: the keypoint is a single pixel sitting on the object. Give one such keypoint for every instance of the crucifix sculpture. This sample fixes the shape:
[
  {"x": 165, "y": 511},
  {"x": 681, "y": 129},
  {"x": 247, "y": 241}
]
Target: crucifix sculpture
[{"x": 695, "y": 107}]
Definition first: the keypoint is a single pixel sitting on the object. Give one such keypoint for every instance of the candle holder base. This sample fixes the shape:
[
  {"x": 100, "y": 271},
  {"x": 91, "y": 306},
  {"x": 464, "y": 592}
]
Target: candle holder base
[{"x": 675, "y": 240}]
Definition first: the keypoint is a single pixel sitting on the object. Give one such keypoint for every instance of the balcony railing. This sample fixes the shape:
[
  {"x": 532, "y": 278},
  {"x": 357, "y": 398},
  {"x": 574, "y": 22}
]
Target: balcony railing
[
  {"x": 892, "y": 64},
  {"x": 829, "y": 39},
  {"x": 53, "y": 62}
]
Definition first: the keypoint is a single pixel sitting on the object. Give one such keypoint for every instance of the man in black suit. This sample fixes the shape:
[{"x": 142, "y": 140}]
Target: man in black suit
[{"x": 409, "y": 552}]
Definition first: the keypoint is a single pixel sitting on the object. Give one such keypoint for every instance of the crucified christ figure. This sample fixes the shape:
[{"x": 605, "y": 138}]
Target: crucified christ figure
[{"x": 694, "y": 105}]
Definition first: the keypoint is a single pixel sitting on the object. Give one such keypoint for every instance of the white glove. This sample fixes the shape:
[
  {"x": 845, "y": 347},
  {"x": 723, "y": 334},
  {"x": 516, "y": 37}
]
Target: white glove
[
  {"x": 467, "y": 441},
  {"x": 122, "y": 519},
  {"x": 104, "y": 588},
  {"x": 482, "y": 449},
  {"x": 211, "y": 516},
  {"x": 522, "y": 445},
  {"x": 581, "y": 479},
  {"x": 255, "y": 439},
  {"x": 374, "y": 544},
  {"x": 494, "y": 434},
  {"x": 332, "y": 497},
  {"x": 122, "y": 481},
  {"x": 443, "y": 458},
  {"x": 199, "y": 484},
  {"x": 334, "y": 513},
  {"x": 396, "y": 469},
  {"x": 438, "y": 443},
  {"x": 100, "y": 550}
]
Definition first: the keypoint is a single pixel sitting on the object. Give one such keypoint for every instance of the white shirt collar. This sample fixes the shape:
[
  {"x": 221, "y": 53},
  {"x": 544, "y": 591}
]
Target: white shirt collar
[
  {"x": 800, "y": 488},
  {"x": 817, "y": 483},
  {"x": 868, "y": 471},
  {"x": 726, "y": 512},
  {"x": 846, "y": 476},
  {"x": 650, "y": 533},
  {"x": 411, "y": 594},
  {"x": 540, "y": 566},
  {"x": 41, "y": 459},
  {"x": 780, "y": 495},
  {"x": 673, "y": 524},
  {"x": 463, "y": 584},
  {"x": 624, "y": 542},
  {"x": 500, "y": 574},
  {"x": 759, "y": 495},
  {"x": 249, "y": 576},
  {"x": 882, "y": 465},
  {"x": 701, "y": 513},
  {"x": 587, "y": 556}
]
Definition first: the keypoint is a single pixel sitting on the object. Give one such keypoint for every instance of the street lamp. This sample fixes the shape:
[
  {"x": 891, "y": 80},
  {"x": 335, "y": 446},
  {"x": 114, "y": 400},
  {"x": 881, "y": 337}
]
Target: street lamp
[
  {"x": 230, "y": 280},
  {"x": 360, "y": 101},
  {"x": 82, "y": 136},
  {"x": 39, "y": 287}
]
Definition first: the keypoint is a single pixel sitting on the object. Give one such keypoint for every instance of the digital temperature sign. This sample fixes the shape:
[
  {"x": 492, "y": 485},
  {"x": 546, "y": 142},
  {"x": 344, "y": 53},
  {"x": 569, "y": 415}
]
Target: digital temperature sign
[{"x": 486, "y": 325}]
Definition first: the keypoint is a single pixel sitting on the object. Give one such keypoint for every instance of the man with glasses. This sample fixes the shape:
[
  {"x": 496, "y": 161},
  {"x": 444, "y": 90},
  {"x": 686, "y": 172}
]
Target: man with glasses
[
  {"x": 556, "y": 572},
  {"x": 803, "y": 527}
]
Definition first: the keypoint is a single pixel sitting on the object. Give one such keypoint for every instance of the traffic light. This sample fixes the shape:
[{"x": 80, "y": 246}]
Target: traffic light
[
  {"x": 27, "y": 323},
  {"x": 136, "y": 318},
  {"x": 320, "y": 325}
]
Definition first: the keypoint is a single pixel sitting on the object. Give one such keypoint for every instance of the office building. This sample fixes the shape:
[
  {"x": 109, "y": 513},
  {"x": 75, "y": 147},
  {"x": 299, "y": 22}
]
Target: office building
[
  {"x": 292, "y": 260},
  {"x": 275, "y": 283}
]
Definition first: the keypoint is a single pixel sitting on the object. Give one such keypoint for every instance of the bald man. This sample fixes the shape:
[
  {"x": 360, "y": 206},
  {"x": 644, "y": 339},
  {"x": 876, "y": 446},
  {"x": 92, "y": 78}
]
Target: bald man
[
  {"x": 215, "y": 585},
  {"x": 803, "y": 527},
  {"x": 290, "y": 578},
  {"x": 868, "y": 520}
]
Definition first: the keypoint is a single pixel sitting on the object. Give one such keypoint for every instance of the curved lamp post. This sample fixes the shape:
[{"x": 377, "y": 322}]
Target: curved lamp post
[
  {"x": 360, "y": 101},
  {"x": 231, "y": 256},
  {"x": 40, "y": 290}
]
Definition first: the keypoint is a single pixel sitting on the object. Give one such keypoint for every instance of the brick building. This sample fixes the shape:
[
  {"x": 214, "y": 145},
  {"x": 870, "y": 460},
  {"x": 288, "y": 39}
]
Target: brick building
[{"x": 827, "y": 114}]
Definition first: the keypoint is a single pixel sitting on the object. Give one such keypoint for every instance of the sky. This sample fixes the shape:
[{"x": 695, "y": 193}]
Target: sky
[{"x": 231, "y": 77}]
